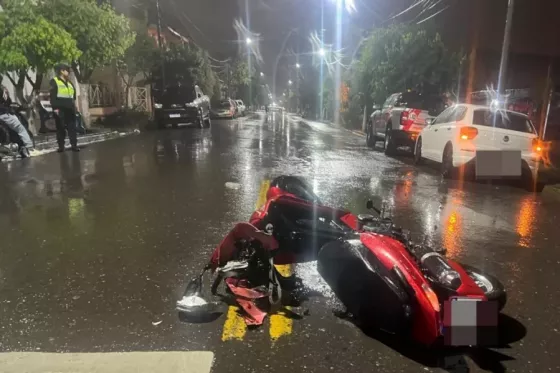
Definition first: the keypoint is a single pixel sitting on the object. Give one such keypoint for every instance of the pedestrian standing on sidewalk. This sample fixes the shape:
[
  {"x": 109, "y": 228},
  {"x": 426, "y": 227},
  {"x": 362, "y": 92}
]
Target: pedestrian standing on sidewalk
[
  {"x": 11, "y": 120},
  {"x": 63, "y": 102}
]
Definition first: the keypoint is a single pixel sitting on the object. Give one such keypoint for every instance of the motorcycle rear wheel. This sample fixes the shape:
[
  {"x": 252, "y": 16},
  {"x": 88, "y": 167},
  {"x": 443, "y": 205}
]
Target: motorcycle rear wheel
[{"x": 492, "y": 287}]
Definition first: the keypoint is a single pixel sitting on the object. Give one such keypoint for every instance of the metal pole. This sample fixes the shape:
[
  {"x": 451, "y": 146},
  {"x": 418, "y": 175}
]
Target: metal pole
[
  {"x": 505, "y": 48},
  {"x": 160, "y": 43},
  {"x": 547, "y": 113}
]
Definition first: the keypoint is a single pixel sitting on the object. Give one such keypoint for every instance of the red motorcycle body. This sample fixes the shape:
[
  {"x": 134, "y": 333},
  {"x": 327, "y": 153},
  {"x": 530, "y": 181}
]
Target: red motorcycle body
[{"x": 302, "y": 226}]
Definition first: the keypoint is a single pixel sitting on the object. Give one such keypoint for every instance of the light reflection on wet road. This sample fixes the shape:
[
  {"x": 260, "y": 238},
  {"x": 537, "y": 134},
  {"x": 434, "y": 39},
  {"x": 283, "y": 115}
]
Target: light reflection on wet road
[{"x": 95, "y": 246}]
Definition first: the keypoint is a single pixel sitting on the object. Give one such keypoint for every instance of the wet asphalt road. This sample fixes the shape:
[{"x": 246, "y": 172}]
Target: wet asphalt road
[{"x": 95, "y": 248}]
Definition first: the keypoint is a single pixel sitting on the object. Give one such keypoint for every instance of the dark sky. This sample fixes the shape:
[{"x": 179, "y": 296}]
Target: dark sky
[{"x": 536, "y": 29}]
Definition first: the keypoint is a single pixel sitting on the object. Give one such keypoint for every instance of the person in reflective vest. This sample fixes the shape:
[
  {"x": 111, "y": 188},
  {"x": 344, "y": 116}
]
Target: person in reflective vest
[{"x": 63, "y": 102}]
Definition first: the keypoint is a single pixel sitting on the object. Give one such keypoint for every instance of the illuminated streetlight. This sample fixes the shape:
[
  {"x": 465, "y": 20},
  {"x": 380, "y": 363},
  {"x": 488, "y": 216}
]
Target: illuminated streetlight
[
  {"x": 262, "y": 74},
  {"x": 248, "y": 40},
  {"x": 289, "y": 82},
  {"x": 283, "y": 94},
  {"x": 322, "y": 52},
  {"x": 298, "y": 65}
]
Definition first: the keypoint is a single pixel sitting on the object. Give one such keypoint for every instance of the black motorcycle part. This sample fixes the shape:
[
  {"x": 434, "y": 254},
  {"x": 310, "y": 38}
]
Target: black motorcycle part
[
  {"x": 300, "y": 228},
  {"x": 371, "y": 292},
  {"x": 296, "y": 186}
]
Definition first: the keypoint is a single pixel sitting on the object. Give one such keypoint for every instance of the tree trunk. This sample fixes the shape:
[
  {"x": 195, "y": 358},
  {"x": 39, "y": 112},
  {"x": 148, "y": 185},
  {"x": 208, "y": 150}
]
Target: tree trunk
[{"x": 82, "y": 98}]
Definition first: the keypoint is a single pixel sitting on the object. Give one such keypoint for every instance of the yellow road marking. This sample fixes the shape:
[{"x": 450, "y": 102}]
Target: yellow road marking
[
  {"x": 234, "y": 326},
  {"x": 280, "y": 324},
  {"x": 261, "y": 200}
]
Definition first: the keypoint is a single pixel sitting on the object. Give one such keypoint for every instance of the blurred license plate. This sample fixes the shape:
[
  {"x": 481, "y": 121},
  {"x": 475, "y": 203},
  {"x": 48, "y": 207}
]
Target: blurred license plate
[
  {"x": 174, "y": 115},
  {"x": 496, "y": 164},
  {"x": 470, "y": 322}
]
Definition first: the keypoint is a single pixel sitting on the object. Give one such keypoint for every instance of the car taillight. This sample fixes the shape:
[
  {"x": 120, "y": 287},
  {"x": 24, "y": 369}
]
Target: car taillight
[
  {"x": 406, "y": 120},
  {"x": 468, "y": 133},
  {"x": 432, "y": 297},
  {"x": 538, "y": 145}
]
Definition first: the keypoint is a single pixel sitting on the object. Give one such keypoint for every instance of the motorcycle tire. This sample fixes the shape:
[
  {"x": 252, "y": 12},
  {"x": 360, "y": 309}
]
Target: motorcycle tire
[{"x": 496, "y": 293}]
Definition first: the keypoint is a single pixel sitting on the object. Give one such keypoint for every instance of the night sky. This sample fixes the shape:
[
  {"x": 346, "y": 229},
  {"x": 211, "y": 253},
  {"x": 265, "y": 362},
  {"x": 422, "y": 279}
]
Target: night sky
[{"x": 209, "y": 23}]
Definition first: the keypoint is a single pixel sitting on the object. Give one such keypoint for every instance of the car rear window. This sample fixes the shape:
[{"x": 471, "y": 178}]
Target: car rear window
[
  {"x": 502, "y": 119},
  {"x": 225, "y": 104},
  {"x": 430, "y": 103}
]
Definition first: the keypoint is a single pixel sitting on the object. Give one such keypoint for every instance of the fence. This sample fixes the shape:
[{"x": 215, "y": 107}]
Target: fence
[{"x": 101, "y": 95}]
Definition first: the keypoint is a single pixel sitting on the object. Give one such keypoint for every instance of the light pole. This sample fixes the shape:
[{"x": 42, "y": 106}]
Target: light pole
[
  {"x": 160, "y": 44},
  {"x": 505, "y": 50}
]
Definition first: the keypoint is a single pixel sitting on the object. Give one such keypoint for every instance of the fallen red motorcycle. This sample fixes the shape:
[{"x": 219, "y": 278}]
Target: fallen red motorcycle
[{"x": 385, "y": 280}]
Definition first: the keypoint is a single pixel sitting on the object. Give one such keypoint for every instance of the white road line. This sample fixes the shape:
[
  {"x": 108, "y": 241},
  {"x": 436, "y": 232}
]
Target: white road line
[{"x": 121, "y": 362}]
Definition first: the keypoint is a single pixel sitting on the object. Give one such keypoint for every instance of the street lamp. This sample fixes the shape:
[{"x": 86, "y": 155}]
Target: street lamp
[
  {"x": 298, "y": 65},
  {"x": 322, "y": 52},
  {"x": 262, "y": 74},
  {"x": 283, "y": 94},
  {"x": 289, "y": 82},
  {"x": 248, "y": 41}
]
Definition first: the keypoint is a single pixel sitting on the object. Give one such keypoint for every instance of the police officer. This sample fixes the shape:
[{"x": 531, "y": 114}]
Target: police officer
[{"x": 63, "y": 102}]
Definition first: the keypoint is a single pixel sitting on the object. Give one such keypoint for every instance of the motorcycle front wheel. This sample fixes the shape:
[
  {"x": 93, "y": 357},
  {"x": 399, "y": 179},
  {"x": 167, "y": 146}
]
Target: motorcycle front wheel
[{"x": 492, "y": 287}]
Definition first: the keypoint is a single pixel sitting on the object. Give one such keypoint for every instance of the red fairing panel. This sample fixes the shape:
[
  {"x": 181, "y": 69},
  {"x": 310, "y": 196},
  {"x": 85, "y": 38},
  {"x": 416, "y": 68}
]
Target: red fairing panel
[
  {"x": 350, "y": 220},
  {"x": 246, "y": 297},
  {"x": 226, "y": 249},
  {"x": 468, "y": 286},
  {"x": 426, "y": 322}
]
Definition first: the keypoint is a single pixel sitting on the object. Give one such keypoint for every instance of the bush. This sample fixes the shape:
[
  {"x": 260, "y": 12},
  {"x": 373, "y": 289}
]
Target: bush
[{"x": 126, "y": 119}]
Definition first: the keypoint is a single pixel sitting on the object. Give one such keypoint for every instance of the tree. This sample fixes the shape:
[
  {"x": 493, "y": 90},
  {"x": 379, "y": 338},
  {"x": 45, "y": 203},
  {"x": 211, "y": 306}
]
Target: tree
[
  {"x": 101, "y": 34},
  {"x": 403, "y": 57},
  {"x": 188, "y": 65},
  {"x": 139, "y": 59},
  {"x": 31, "y": 43}
]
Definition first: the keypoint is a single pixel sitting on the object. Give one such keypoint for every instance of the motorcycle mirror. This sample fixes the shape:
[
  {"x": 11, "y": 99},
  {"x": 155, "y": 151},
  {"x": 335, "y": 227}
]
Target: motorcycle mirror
[
  {"x": 193, "y": 306},
  {"x": 370, "y": 206}
]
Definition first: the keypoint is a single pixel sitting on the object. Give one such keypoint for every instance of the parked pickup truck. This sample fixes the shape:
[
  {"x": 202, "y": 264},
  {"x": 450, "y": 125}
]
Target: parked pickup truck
[
  {"x": 182, "y": 104},
  {"x": 400, "y": 119}
]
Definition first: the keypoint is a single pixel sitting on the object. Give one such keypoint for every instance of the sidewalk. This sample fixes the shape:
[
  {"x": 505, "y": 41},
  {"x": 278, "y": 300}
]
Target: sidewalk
[{"x": 47, "y": 142}]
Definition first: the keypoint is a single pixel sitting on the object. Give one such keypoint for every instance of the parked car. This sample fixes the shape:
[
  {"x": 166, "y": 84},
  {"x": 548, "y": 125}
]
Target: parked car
[
  {"x": 462, "y": 133},
  {"x": 182, "y": 104},
  {"x": 225, "y": 109},
  {"x": 241, "y": 108},
  {"x": 400, "y": 119}
]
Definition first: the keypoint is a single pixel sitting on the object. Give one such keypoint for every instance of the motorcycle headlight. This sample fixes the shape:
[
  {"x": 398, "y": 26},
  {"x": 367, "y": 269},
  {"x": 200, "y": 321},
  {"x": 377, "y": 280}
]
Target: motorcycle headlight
[{"x": 158, "y": 106}]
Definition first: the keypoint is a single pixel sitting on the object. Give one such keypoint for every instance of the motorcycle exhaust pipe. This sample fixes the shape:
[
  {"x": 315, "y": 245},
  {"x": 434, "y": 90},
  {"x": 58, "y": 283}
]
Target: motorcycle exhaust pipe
[{"x": 438, "y": 268}]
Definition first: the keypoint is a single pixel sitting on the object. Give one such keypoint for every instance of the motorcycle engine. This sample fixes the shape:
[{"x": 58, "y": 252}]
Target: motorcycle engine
[{"x": 257, "y": 257}]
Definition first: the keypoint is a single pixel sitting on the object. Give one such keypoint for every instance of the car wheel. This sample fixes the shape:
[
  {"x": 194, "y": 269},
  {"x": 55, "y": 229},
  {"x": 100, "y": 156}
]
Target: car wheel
[
  {"x": 390, "y": 147},
  {"x": 447, "y": 162},
  {"x": 492, "y": 287},
  {"x": 530, "y": 183},
  {"x": 370, "y": 138},
  {"x": 418, "y": 151}
]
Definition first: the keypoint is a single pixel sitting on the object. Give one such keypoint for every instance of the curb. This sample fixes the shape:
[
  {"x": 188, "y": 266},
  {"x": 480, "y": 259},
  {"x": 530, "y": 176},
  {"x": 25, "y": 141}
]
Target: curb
[{"x": 84, "y": 140}]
